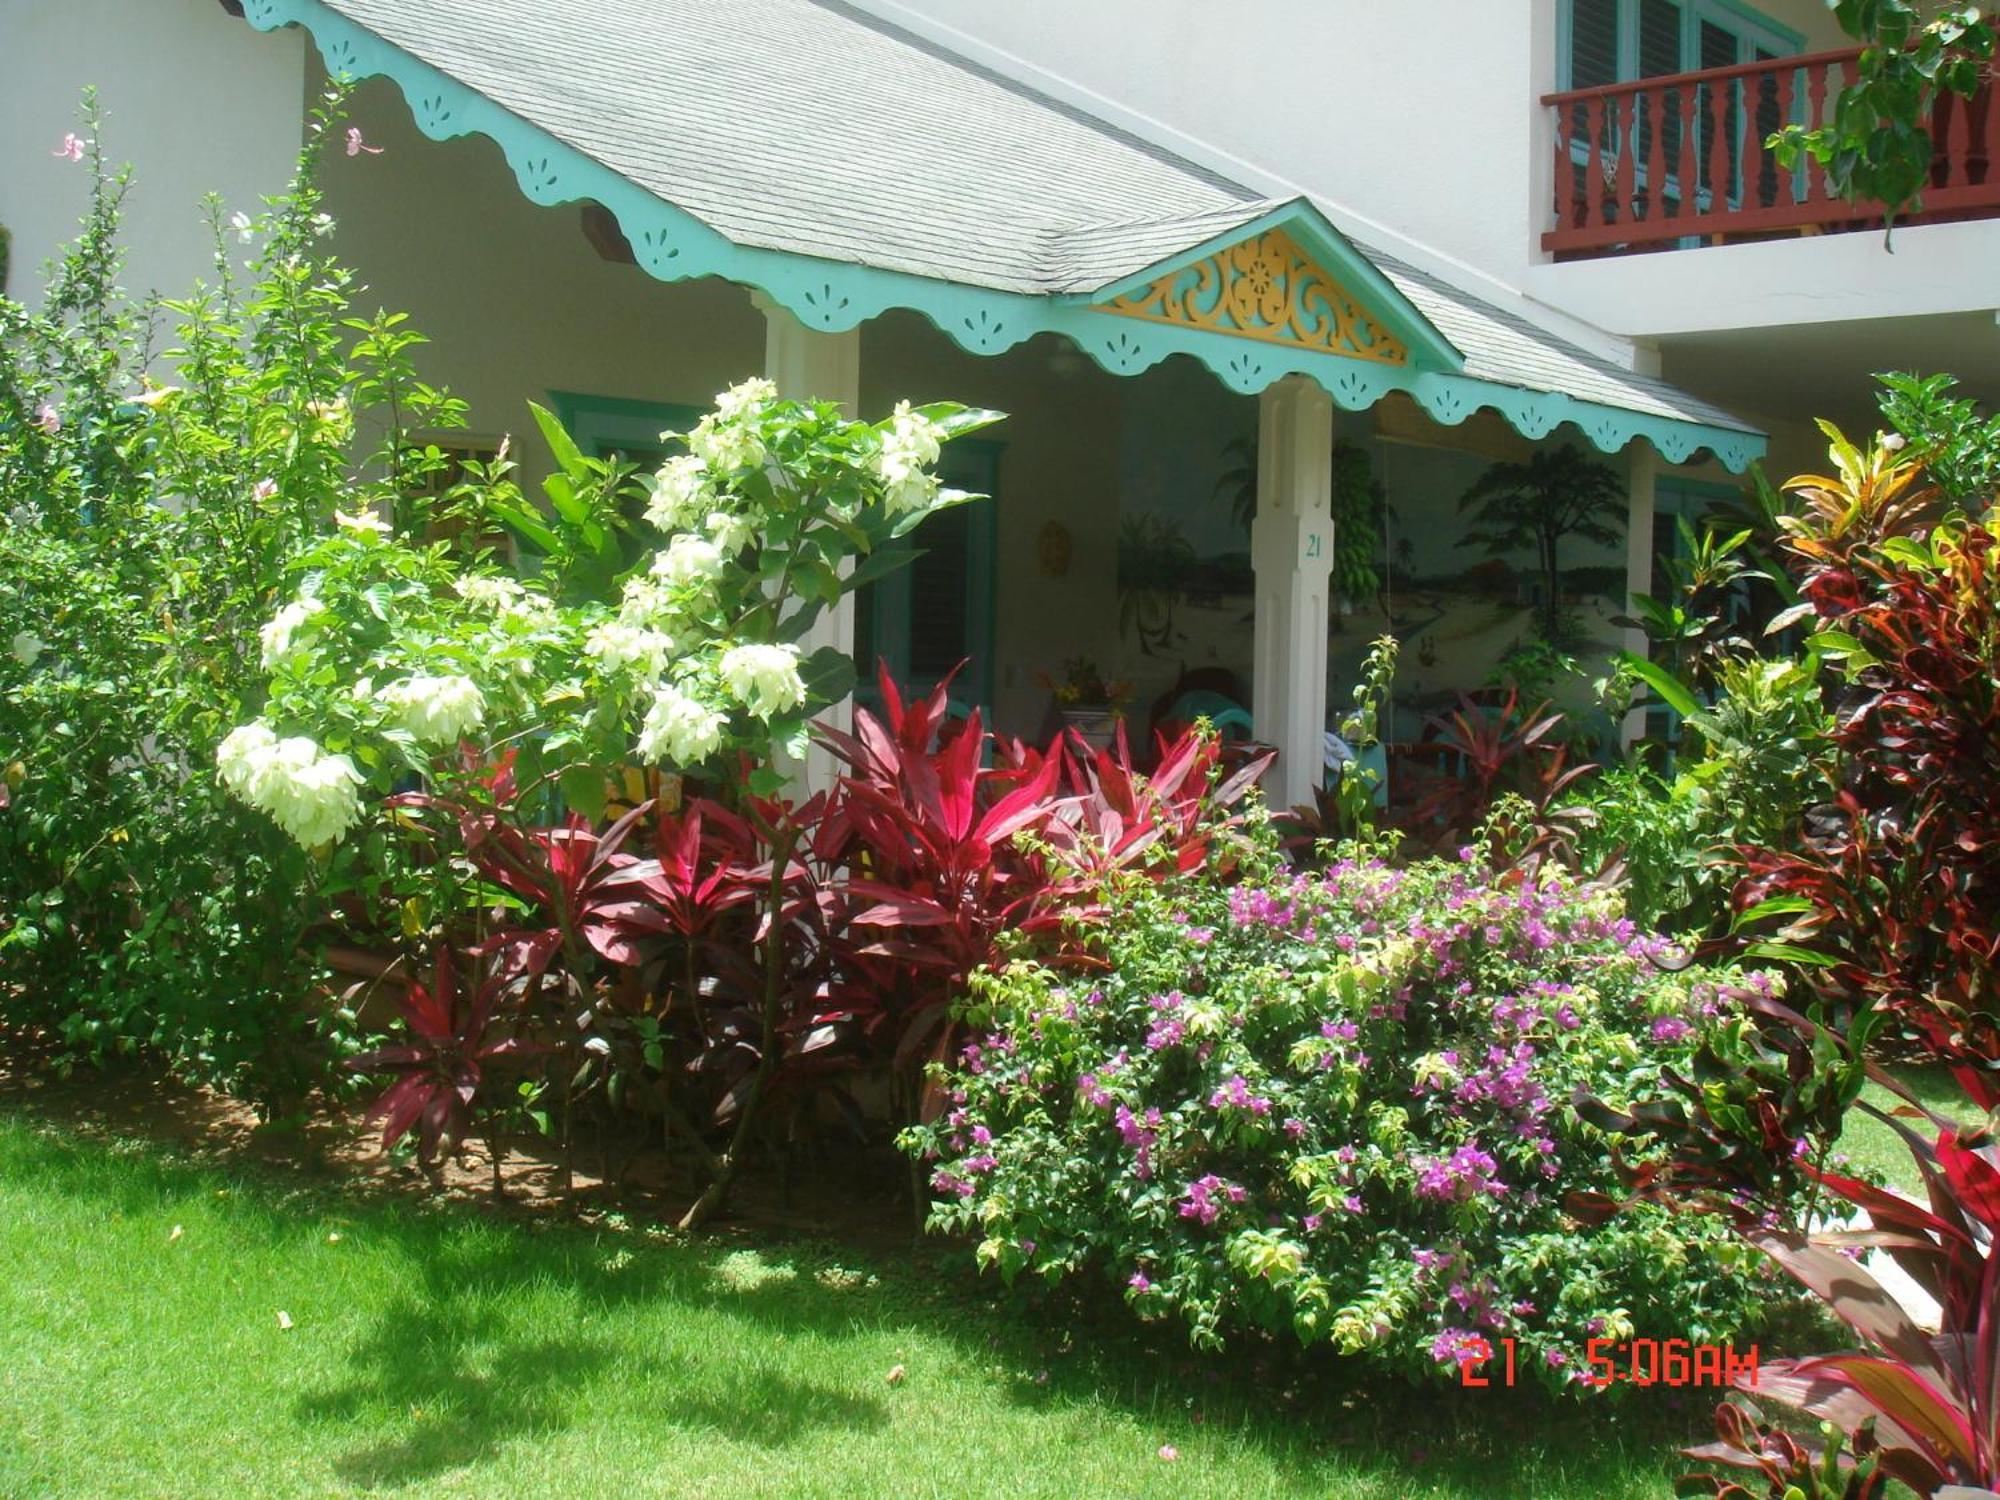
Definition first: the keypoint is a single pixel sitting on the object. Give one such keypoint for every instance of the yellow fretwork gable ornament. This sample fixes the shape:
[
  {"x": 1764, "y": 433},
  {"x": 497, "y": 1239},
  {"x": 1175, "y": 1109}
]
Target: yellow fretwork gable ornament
[{"x": 1265, "y": 288}]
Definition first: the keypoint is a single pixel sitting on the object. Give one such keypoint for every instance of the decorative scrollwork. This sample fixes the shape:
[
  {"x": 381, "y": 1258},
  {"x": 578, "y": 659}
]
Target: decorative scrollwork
[{"x": 1265, "y": 288}]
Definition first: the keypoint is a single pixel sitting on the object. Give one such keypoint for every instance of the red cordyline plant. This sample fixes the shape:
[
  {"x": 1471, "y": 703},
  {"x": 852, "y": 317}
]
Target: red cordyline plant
[
  {"x": 1898, "y": 880},
  {"x": 1500, "y": 750},
  {"x": 946, "y": 854},
  {"x": 456, "y": 1031},
  {"x": 1918, "y": 1407}
]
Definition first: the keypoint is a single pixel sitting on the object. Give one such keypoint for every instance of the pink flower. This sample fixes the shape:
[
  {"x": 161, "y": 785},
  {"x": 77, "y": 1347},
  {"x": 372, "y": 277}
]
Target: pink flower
[
  {"x": 264, "y": 489},
  {"x": 71, "y": 148},
  {"x": 355, "y": 145},
  {"x": 1139, "y": 1283},
  {"x": 1168, "y": 1452},
  {"x": 47, "y": 418}
]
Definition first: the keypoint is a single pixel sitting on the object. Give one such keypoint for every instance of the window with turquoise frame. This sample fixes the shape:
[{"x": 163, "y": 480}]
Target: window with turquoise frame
[
  {"x": 1616, "y": 41},
  {"x": 604, "y": 426},
  {"x": 615, "y": 427},
  {"x": 1603, "y": 42},
  {"x": 923, "y": 620}
]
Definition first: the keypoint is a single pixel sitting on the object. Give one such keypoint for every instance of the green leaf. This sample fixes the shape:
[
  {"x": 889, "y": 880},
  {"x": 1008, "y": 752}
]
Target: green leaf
[
  {"x": 1790, "y": 952},
  {"x": 583, "y": 790},
  {"x": 828, "y": 674},
  {"x": 1776, "y": 906},
  {"x": 569, "y": 458},
  {"x": 1670, "y": 688}
]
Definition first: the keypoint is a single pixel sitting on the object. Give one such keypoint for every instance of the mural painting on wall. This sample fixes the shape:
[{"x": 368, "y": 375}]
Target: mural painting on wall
[{"x": 1485, "y": 570}]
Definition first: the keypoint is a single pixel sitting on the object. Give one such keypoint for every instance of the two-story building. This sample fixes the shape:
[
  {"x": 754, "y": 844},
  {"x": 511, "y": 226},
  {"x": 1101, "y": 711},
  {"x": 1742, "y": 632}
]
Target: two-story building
[{"x": 1193, "y": 251}]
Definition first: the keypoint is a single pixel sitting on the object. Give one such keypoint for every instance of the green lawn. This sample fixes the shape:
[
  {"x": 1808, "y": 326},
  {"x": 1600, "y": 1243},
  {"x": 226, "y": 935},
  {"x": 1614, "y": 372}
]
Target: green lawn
[
  {"x": 443, "y": 1350},
  {"x": 1869, "y": 1142}
]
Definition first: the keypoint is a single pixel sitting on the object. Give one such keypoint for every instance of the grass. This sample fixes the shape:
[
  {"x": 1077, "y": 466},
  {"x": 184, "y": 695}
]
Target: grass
[
  {"x": 440, "y": 1350},
  {"x": 1869, "y": 1142}
]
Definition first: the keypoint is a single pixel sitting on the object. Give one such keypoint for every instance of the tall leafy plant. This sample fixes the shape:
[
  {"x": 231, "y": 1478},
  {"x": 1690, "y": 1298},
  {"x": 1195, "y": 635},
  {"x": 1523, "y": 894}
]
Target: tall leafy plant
[
  {"x": 149, "y": 517},
  {"x": 1898, "y": 884}
]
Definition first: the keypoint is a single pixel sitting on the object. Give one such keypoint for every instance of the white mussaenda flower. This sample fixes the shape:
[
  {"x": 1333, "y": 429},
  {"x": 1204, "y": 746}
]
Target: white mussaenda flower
[
  {"x": 28, "y": 647},
  {"x": 765, "y": 679},
  {"x": 689, "y": 559},
  {"x": 617, "y": 646},
  {"x": 729, "y": 531},
  {"x": 646, "y": 601},
  {"x": 746, "y": 400},
  {"x": 909, "y": 448},
  {"x": 680, "y": 492},
  {"x": 362, "y": 524},
  {"x": 725, "y": 445},
  {"x": 679, "y": 728},
  {"x": 436, "y": 710},
  {"x": 240, "y": 752},
  {"x": 280, "y": 632},
  {"x": 309, "y": 795},
  {"x": 504, "y": 596}
]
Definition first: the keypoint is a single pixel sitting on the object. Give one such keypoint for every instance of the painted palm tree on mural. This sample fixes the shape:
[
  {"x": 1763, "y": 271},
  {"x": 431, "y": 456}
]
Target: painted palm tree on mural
[{"x": 1555, "y": 494}]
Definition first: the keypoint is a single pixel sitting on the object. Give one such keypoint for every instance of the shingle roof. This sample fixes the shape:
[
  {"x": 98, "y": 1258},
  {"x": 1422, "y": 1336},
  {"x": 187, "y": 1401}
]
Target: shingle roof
[
  {"x": 1508, "y": 350},
  {"x": 805, "y": 127},
  {"x": 799, "y": 126}
]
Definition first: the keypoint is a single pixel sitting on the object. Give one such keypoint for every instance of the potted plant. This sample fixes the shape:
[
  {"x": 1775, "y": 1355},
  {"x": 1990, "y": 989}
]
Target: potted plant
[{"x": 1088, "y": 702}]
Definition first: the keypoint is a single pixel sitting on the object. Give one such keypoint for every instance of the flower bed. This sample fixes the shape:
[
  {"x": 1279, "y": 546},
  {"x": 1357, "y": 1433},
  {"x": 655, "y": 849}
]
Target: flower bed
[{"x": 1339, "y": 1105}]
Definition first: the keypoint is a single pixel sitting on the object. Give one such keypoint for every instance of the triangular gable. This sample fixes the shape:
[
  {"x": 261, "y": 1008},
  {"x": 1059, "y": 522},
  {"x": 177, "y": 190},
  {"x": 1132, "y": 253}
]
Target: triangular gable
[{"x": 1289, "y": 278}]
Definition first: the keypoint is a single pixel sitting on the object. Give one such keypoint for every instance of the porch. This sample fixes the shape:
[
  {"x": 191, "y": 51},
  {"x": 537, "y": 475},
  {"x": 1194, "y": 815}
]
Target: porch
[{"x": 1142, "y": 367}]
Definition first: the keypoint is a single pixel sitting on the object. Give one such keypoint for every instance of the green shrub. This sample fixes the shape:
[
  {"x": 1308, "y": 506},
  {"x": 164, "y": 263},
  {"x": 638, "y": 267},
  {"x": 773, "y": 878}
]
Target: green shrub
[
  {"x": 150, "y": 515},
  {"x": 1339, "y": 1106},
  {"x": 1753, "y": 761}
]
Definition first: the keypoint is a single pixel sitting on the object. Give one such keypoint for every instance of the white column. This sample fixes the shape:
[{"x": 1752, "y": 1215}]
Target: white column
[
  {"x": 1291, "y": 549},
  {"x": 807, "y": 365},
  {"x": 1642, "y": 468}
]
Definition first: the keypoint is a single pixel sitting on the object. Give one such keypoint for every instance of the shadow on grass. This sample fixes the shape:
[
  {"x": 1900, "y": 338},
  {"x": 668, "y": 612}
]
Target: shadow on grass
[{"x": 453, "y": 1362}]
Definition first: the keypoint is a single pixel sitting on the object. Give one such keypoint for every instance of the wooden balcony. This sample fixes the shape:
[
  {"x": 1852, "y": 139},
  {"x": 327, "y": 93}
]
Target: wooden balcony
[{"x": 1680, "y": 160}]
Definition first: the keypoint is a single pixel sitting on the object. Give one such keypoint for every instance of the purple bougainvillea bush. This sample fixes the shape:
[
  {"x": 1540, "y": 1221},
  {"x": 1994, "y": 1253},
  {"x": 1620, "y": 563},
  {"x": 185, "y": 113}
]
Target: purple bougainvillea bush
[{"x": 1338, "y": 1106}]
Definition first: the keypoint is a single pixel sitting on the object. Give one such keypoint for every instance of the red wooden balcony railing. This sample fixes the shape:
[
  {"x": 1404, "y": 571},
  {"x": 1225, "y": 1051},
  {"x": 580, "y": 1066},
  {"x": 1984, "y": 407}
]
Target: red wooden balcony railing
[{"x": 1648, "y": 164}]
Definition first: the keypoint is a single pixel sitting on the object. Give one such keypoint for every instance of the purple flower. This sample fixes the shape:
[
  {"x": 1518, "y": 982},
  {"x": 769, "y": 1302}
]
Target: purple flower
[
  {"x": 1139, "y": 1283},
  {"x": 1235, "y": 1094},
  {"x": 1200, "y": 1203},
  {"x": 1670, "y": 1029},
  {"x": 1467, "y": 1172},
  {"x": 1459, "y": 1346}
]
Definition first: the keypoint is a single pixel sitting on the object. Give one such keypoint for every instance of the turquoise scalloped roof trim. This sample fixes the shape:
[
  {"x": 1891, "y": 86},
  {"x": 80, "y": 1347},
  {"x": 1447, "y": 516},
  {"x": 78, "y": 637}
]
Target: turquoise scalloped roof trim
[{"x": 672, "y": 245}]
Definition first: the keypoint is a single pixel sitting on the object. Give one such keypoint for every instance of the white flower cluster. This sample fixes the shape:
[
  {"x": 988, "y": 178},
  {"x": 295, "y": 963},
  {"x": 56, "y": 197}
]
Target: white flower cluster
[
  {"x": 689, "y": 560},
  {"x": 679, "y": 728},
  {"x": 504, "y": 596},
  {"x": 909, "y": 448},
  {"x": 680, "y": 493},
  {"x": 280, "y": 633},
  {"x": 764, "y": 679},
  {"x": 724, "y": 441},
  {"x": 618, "y": 647},
  {"x": 309, "y": 795},
  {"x": 436, "y": 710}
]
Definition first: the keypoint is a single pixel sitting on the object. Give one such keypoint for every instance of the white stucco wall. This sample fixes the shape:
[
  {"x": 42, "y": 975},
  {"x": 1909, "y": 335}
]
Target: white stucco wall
[{"x": 193, "y": 98}]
